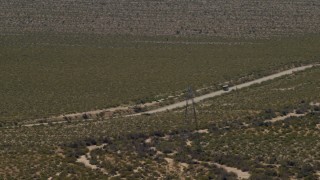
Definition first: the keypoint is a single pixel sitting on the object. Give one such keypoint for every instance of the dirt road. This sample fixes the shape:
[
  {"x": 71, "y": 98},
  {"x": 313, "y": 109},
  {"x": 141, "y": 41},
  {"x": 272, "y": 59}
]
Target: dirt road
[
  {"x": 218, "y": 93},
  {"x": 196, "y": 99}
]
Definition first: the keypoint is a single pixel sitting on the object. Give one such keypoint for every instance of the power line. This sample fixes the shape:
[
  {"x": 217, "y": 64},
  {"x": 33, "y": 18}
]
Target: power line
[{"x": 190, "y": 116}]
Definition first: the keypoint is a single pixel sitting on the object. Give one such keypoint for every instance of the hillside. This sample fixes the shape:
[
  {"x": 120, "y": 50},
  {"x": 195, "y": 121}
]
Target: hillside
[
  {"x": 248, "y": 131},
  {"x": 97, "y": 89}
]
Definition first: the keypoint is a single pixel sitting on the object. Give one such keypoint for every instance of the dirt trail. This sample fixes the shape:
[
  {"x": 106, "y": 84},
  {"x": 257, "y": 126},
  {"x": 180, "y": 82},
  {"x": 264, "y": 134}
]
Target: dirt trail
[
  {"x": 197, "y": 43},
  {"x": 85, "y": 159},
  {"x": 281, "y": 118},
  {"x": 176, "y": 166},
  {"x": 179, "y": 104},
  {"x": 294, "y": 114},
  {"x": 241, "y": 174},
  {"x": 221, "y": 92},
  {"x": 202, "y": 131},
  {"x": 315, "y": 104}
]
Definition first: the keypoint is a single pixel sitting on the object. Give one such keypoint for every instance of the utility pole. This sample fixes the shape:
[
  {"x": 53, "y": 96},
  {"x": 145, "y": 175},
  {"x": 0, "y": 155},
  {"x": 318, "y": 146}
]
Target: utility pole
[{"x": 190, "y": 114}]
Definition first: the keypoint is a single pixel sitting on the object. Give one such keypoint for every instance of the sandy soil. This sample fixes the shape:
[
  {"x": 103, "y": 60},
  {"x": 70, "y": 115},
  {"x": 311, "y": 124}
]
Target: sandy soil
[
  {"x": 202, "y": 131},
  {"x": 238, "y": 172},
  {"x": 174, "y": 166},
  {"x": 149, "y": 140},
  {"x": 170, "y": 163},
  {"x": 189, "y": 143},
  {"x": 85, "y": 159},
  {"x": 281, "y": 118},
  {"x": 285, "y": 89},
  {"x": 314, "y": 104}
]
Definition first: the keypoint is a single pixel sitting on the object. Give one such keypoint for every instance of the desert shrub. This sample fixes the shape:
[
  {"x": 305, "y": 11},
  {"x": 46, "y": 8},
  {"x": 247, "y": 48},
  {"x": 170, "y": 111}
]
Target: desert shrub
[
  {"x": 167, "y": 150},
  {"x": 66, "y": 118},
  {"x": 137, "y": 136},
  {"x": 106, "y": 140},
  {"x": 289, "y": 163},
  {"x": 182, "y": 157},
  {"x": 260, "y": 176},
  {"x": 73, "y": 145},
  {"x": 301, "y": 111},
  {"x": 223, "y": 175},
  {"x": 271, "y": 172},
  {"x": 272, "y": 160},
  {"x": 213, "y": 128},
  {"x": 174, "y": 132},
  {"x": 100, "y": 115},
  {"x": 77, "y": 152},
  {"x": 85, "y": 116},
  {"x": 286, "y": 111},
  {"x": 269, "y": 114},
  {"x": 305, "y": 171},
  {"x": 158, "y": 134}
]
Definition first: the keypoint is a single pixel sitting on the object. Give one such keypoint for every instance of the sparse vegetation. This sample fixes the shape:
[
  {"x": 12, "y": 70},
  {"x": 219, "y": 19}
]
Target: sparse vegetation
[
  {"x": 73, "y": 72},
  {"x": 154, "y": 18},
  {"x": 70, "y": 78},
  {"x": 236, "y": 138}
]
